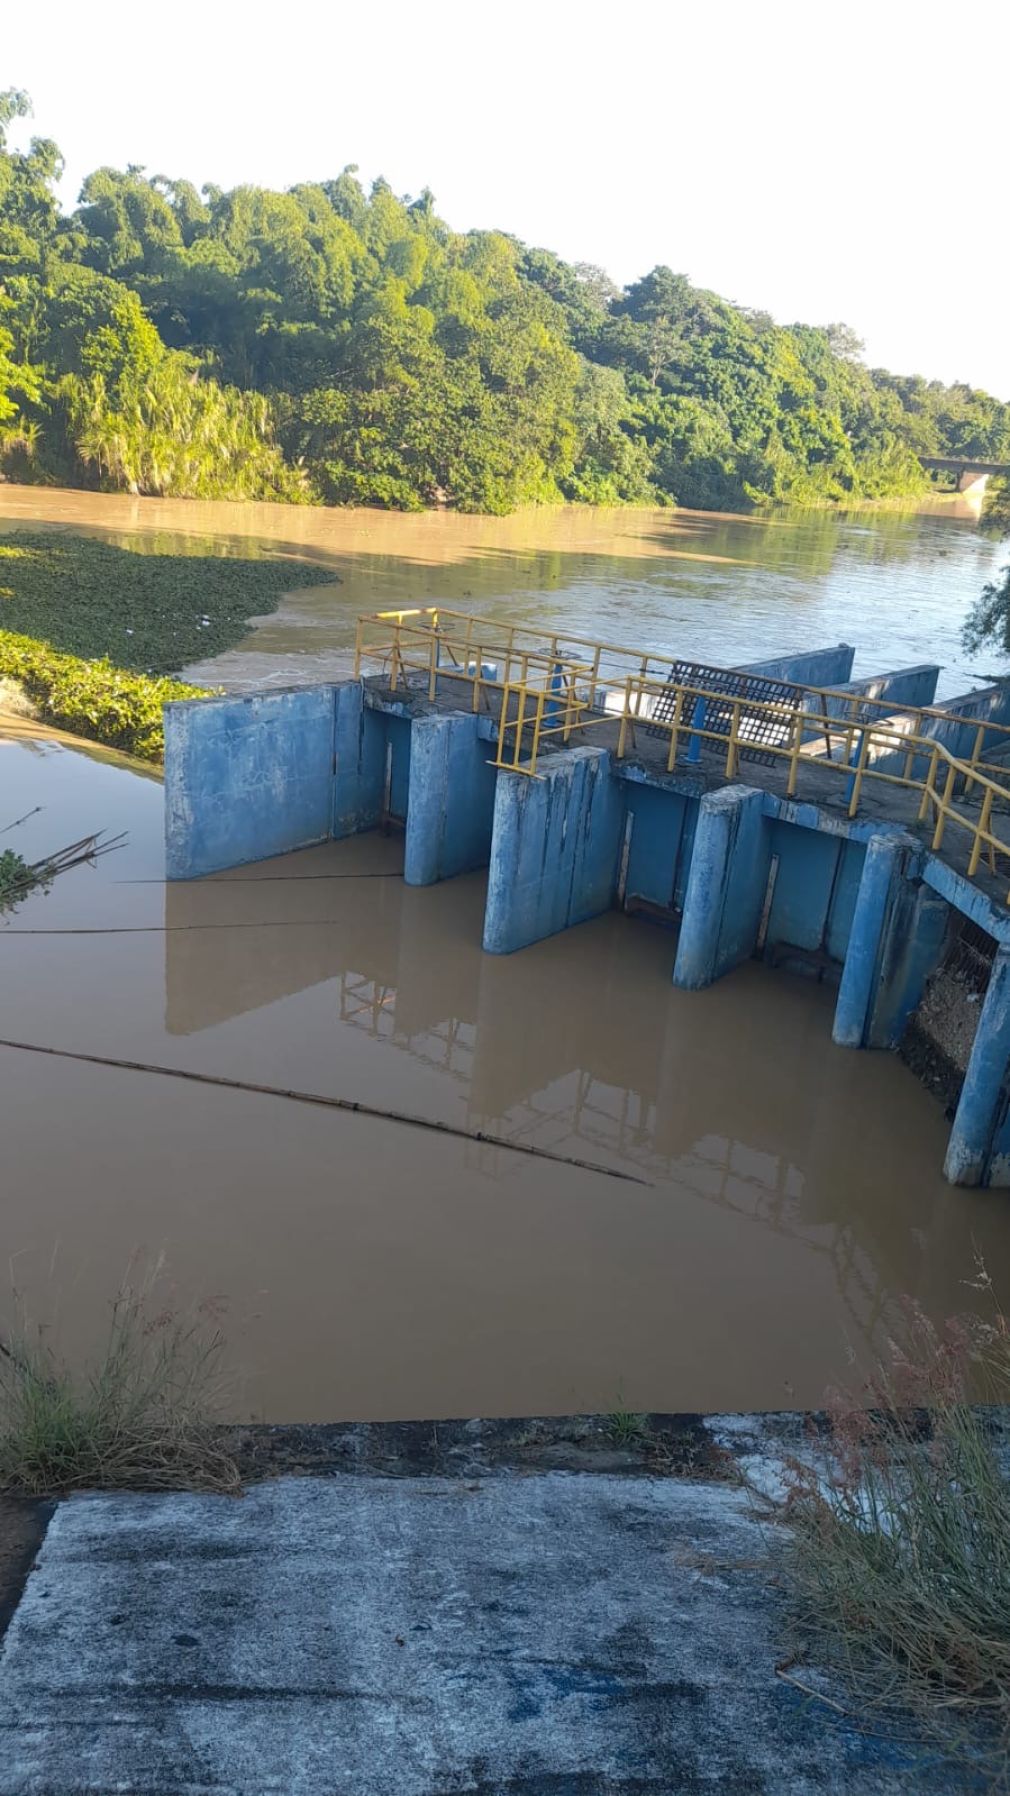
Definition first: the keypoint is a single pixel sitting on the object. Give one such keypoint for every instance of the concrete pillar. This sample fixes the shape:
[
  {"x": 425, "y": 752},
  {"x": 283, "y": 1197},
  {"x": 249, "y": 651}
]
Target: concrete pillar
[
  {"x": 911, "y": 951},
  {"x": 726, "y": 886},
  {"x": 871, "y": 921},
  {"x": 554, "y": 848},
  {"x": 359, "y": 762},
  {"x": 451, "y": 803},
  {"x": 978, "y": 1111}
]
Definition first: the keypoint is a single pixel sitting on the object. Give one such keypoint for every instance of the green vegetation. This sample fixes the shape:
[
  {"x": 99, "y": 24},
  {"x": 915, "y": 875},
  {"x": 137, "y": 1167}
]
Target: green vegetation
[
  {"x": 146, "y": 610},
  {"x": 91, "y": 628},
  {"x": 17, "y": 879},
  {"x": 988, "y": 623},
  {"x": 141, "y": 1418},
  {"x": 93, "y": 698},
  {"x": 334, "y": 345},
  {"x": 899, "y": 1569},
  {"x": 627, "y": 1428}
]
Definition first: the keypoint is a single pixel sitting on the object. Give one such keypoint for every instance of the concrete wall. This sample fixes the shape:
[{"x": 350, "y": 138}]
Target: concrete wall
[
  {"x": 554, "y": 848},
  {"x": 905, "y": 686},
  {"x": 246, "y": 777},
  {"x": 359, "y": 758},
  {"x": 807, "y": 667},
  {"x": 452, "y": 791},
  {"x": 816, "y": 878},
  {"x": 659, "y": 833}
]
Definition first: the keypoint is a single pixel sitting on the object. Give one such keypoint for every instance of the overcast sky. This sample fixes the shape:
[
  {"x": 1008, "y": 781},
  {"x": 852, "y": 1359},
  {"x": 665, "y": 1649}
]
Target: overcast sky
[{"x": 822, "y": 162}]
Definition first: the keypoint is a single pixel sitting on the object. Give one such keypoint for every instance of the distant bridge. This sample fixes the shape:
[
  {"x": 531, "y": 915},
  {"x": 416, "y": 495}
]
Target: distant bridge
[{"x": 970, "y": 476}]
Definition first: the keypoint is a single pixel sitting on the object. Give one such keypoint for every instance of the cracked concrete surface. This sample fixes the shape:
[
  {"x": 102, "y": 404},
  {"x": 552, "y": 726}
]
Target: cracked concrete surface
[{"x": 549, "y": 1634}]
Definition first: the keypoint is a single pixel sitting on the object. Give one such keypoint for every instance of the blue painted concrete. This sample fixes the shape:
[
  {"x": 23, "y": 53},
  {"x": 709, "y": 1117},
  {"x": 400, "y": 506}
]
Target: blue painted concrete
[
  {"x": 452, "y": 789},
  {"x": 914, "y": 686},
  {"x": 804, "y": 884},
  {"x": 967, "y": 898},
  {"x": 246, "y": 777},
  {"x": 807, "y": 667},
  {"x": 872, "y": 917},
  {"x": 658, "y": 820},
  {"x": 911, "y": 950},
  {"x": 359, "y": 753},
  {"x": 397, "y": 788},
  {"x": 981, "y": 1103},
  {"x": 554, "y": 849},
  {"x": 838, "y": 926},
  {"x": 726, "y": 886}
]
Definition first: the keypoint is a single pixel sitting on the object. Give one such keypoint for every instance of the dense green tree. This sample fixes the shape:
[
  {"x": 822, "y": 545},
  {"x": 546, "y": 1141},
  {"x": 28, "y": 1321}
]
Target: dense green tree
[{"x": 332, "y": 343}]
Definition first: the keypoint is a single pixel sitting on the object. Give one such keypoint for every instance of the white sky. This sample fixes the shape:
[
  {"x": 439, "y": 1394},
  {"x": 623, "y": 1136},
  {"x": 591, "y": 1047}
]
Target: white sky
[{"x": 823, "y": 162}]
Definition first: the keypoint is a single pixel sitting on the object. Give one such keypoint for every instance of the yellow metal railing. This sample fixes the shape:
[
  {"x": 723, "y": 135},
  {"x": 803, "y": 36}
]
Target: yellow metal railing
[{"x": 545, "y": 687}]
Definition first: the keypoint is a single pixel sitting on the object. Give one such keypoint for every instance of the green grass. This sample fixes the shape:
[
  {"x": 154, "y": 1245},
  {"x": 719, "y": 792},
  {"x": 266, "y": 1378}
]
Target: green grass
[
  {"x": 93, "y": 698},
  {"x": 141, "y": 1416},
  {"x": 149, "y": 611},
  {"x": 627, "y": 1428},
  {"x": 898, "y": 1565}
]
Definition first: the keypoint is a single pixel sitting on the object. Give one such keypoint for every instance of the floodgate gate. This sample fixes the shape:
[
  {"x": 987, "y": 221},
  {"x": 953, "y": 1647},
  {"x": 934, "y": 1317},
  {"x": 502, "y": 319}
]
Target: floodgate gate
[{"x": 848, "y": 828}]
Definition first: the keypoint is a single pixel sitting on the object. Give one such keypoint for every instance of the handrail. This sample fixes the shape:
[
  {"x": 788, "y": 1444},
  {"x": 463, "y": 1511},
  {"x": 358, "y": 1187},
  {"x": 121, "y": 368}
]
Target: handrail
[
  {"x": 546, "y": 692},
  {"x": 499, "y": 636}
]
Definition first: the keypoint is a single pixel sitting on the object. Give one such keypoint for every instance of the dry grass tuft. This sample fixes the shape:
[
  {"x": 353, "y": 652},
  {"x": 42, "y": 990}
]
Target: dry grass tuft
[
  {"x": 143, "y": 1417},
  {"x": 898, "y": 1568}
]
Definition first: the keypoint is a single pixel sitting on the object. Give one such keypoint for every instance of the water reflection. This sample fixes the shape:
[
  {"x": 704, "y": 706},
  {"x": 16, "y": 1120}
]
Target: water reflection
[
  {"x": 791, "y": 1190},
  {"x": 581, "y": 1045}
]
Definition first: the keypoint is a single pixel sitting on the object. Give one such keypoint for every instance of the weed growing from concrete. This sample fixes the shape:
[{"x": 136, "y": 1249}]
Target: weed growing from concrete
[
  {"x": 898, "y": 1568},
  {"x": 141, "y": 1417},
  {"x": 627, "y": 1428}
]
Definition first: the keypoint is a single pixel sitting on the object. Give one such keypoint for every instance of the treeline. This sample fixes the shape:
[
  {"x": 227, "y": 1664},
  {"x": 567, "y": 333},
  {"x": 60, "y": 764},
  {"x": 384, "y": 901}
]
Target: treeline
[{"x": 328, "y": 344}]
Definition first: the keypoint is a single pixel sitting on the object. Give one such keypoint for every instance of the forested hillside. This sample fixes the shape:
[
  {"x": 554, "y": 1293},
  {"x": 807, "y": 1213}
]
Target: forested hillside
[{"x": 328, "y": 344}]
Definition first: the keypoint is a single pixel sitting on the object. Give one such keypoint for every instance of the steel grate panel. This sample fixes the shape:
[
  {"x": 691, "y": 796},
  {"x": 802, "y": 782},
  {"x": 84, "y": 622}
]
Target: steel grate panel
[{"x": 757, "y": 730}]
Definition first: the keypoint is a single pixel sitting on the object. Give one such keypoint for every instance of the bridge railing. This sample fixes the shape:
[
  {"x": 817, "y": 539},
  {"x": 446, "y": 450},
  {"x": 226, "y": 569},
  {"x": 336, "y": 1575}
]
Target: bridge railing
[{"x": 545, "y": 689}]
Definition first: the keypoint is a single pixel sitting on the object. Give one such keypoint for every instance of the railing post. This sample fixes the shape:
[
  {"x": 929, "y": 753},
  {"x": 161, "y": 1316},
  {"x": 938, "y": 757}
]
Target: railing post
[
  {"x": 678, "y": 706},
  {"x": 941, "y": 822},
  {"x": 433, "y": 666},
  {"x": 794, "y": 759},
  {"x": 929, "y": 790},
  {"x": 359, "y": 637},
  {"x": 538, "y": 718},
  {"x": 623, "y": 732},
  {"x": 731, "y": 747},
  {"x": 976, "y": 751},
  {"x": 857, "y": 782},
  {"x": 981, "y": 828}
]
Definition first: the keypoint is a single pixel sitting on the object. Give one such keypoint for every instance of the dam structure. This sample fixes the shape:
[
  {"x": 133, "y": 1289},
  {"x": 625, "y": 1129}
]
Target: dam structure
[{"x": 850, "y": 829}]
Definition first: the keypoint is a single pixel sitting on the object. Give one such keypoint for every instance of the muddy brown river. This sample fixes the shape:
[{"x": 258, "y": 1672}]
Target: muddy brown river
[
  {"x": 784, "y": 1197},
  {"x": 700, "y": 585}
]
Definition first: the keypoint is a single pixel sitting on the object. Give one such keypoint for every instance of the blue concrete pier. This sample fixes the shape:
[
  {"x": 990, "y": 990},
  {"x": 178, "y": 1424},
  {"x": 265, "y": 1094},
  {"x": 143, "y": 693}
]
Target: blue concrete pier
[
  {"x": 726, "y": 888},
  {"x": 554, "y": 850},
  {"x": 452, "y": 797},
  {"x": 982, "y": 1099}
]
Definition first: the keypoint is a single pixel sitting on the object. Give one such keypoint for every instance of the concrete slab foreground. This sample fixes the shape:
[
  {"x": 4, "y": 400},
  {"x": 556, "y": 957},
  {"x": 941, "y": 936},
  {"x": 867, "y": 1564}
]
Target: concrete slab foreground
[{"x": 544, "y": 1635}]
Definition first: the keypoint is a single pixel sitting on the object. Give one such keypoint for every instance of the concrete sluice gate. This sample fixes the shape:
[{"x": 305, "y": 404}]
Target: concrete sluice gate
[{"x": 739, "y": 860}]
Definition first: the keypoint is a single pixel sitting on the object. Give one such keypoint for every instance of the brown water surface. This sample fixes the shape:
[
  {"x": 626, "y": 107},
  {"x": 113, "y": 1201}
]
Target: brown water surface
[
  {"x": 790, "y": 1192},
  {"x": 702, "y": 585}
]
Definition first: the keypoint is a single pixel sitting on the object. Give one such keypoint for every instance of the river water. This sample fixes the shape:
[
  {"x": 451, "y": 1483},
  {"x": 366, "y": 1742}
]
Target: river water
[
  {"x": 785, "y": 1197},
  {"x": 699, "y": 585}
]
